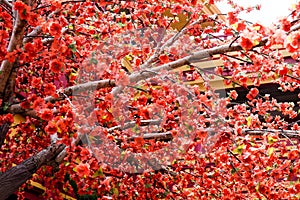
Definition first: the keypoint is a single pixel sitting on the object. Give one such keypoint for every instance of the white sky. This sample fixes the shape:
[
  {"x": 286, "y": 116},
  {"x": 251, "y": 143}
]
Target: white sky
[{"x": 271, "y": 10}]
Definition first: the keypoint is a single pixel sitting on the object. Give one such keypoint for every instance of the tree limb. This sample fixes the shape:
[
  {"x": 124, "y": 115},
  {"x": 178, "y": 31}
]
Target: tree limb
[
  {"x": 161, "y": 48},
  {"x": 7, "y": 5},
  {"x": 15, "y": 41},
  {"x": 12, "y": 179},
  {"x": 168, "y": 135},
  {"x": 138, "y": 76},
  {"x": 4, "y": 128},
  {"x": 69, "y": 91}
]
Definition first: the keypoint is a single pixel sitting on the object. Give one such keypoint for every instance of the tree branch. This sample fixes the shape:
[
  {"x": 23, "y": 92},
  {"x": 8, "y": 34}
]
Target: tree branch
[
  {"x": 161, "y": 48},
  {"x": 15, "y": 41},
  {"x": 4, "y": 128},
  {"x": 6, "y": 4},
  {"x": 32, "y": 34},
  {"x": 69, "y": 91},
  {"x": 168, "y": 136},
  {"x": 12, "y": 179},
  {"x": 138, "y": 76}
]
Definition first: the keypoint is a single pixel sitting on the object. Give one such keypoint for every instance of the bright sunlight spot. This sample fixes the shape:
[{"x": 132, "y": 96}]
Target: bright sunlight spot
[{"x": 270, "y": 12}]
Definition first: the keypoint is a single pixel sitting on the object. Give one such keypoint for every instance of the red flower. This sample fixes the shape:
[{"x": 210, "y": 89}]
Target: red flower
[
  {"x": 286, "y": 25},
  {"x": 9, "y": 118},
  {"x": 233, "y": 94},
  {"x": 62, "y": 124},
  {"x": 25, "y": 105},
  {"x": 164, "y": 58},
  {"x": 293, "y": 154},
  {"x": 46, "y": 114},
  {"x": 55, "y": 29},
  {"x": 51, "y": 128},
  {"x": 241, "y": 26},
  {"x": 232, "y": 18},
  {"x": 292, "y": 42},
  {"x": 30, "y": 49},
  {"x": 19, "y": 6},
  {"x": 23, "y": 9},
  {"x": 38, "y": 103},
  {"x": 56, "y": 66},
  {"x": 36, "y": 82},
  {"x": 10, "y": 56},
  {"x": 246, "y": 43},
  {"x": 50, "y": 89},
  {"x": 33, "y": 19},
  {"x": 252, "y": 94},
  {"x": 84, "y": 153},
  {"x": 24, "y": 14},
  {"x": 83, "y": 169},
  {"x": 194, "y": 2},
  {"x": 283, "y": 70}
]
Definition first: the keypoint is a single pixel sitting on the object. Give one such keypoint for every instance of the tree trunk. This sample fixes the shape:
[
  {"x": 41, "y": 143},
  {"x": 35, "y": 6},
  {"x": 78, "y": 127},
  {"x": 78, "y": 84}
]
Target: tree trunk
[
  {"x": 12, "y": 179},
  {"x": 4, "y": 128}
]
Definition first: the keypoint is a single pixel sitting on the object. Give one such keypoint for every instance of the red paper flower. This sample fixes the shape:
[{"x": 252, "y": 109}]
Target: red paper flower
[
  {"x": 246, "y": 43},
  {"x": 164, "y": 58},
  {"x": 36, "y": 82},
  {"x": 286, "y": 25},
  {"x": 292, "y": 42},
  {"x": 232, "y": 18},
  {"x": 55, "y": 29},
  {"x": 51, "y": 128},
  {"x": 233, "y": 94},
  {"x": 252, "y": 94},
  {"x": 56, "y": 66},
  {"x": 50, "y": 89},
  {"x": 46, "y": 114},
  {"x": 24, "y": 14},
  {"x": 19, "y": 6},
  {"x": 38, "y": 103},
  {"x": 83, "y": 169}
]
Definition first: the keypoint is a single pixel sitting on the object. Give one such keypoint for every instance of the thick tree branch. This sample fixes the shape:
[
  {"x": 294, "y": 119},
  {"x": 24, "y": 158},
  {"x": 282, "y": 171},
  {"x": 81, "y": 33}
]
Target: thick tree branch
[
  {"x": 15, "y": 41},
  {"x": 4, "y": 128},
  {"x": 7, "y": 5},
  {"x": 138, "y": 76},
  {"x": 281, "y": 133},
  {"x": 168, "y": 136},
  {"x": 132, "y": 124},
  {"x": 69, "y": 91},
  {"x": 32, "y": 34},
  {"x": 12, "y": 179}
]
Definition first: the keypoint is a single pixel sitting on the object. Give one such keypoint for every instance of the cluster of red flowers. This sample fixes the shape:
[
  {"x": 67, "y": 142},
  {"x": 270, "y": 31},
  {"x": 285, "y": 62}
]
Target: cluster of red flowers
[
  {"x": 292, "y": 42},
  {"x": 25, "y": 13}
]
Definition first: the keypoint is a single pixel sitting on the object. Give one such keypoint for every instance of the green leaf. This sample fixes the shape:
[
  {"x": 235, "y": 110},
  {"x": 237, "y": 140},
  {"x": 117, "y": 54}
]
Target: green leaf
[
  {"x": 72, "y": 46},
  {"x": 93, "y": 61},
  {"x": 115, "y": 191},
  {"x": 5, "y": 106},
  {"x": 121, "y": 24},
  {"x": 99, "y": 172}
]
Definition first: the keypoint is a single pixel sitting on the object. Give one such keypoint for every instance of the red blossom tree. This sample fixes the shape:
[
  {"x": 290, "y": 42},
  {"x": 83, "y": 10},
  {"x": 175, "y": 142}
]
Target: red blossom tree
[{"x": 93, "y": 101}]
